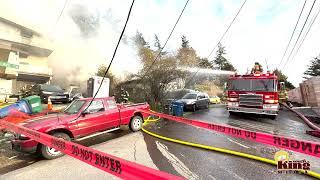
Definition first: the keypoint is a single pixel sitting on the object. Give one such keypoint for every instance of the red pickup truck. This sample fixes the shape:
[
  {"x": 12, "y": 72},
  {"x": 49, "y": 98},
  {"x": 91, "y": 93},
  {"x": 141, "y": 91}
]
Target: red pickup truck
[{"x": 77, "y": 121}]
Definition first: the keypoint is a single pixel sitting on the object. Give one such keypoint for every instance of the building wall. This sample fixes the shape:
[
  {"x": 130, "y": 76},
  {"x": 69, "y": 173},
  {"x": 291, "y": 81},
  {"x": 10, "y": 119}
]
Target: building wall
[
  {"x": 310, "y": 91},
  {"x": 5, "y": 88},
  {"x": 4, "y": 54},
  {"x": 28, "y": 51},
  {"x": 9, "y": 32},
  {"x": 35, "y": 65},
  {"x": 15, "y": 34},
  {"x": 294, "y": 95}
]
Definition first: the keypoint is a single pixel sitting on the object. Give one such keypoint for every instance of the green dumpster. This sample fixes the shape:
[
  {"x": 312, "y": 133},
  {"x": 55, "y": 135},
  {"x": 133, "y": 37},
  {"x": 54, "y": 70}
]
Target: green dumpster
[{"x": 35, "y": 103}]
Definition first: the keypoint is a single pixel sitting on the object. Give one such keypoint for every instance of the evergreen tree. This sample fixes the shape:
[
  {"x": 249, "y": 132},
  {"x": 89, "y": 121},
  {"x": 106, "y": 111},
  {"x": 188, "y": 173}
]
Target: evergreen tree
[
  {"x": 204, "y": 63},
  {"x": 186, "y": 55},
  {"x": 283, "y": 78},
  {"x": 185, "y": 42},
  {"x": 139, "y": 40},
  {"x": 314, "y": 67},
  {"x": 157, "y": 43},
  {"x": 221, "y": 62}
]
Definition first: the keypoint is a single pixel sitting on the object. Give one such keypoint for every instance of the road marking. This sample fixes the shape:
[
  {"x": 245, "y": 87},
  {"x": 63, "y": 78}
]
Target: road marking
[
  {"x": 178, "y": 165},
  {"x": 211, "y": 177},
  {"x": 12, "y": 157},
  {"x": 238, "y": 143}
]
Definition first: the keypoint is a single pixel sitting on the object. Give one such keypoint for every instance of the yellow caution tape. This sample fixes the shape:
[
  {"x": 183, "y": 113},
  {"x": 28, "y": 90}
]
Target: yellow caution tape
[{"x": 222, "y": 150}]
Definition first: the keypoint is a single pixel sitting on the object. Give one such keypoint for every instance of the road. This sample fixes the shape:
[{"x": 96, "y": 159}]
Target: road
[
  {"x": 192, "y": 163},
  {"x": 195, "y": 163}
]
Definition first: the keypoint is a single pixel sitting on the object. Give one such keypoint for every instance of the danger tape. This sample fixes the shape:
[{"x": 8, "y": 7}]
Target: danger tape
[
  {"x": 301, "y": 146},
  {"x": 106, "y": 162}
]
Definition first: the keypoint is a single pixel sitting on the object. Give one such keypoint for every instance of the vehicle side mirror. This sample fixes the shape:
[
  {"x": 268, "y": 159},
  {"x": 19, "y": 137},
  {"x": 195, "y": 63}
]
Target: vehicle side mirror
[
  {"x": 198, "y": 98},
  {"x": 83, "y": 113}
]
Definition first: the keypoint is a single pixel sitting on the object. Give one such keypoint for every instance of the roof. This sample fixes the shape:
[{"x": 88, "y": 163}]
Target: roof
[{"x": 19, "y": 26}]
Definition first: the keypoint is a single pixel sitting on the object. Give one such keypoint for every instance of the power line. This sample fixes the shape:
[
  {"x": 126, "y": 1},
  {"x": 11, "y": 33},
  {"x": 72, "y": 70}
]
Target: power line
[
  {"x": 228, "y": 28},
  {"x": 299, "y": 34},
  {"x": 304, "y": 37},
  {"x": 295, "y": 27},
  {"x": 158, "y": 55},
  {"x": 244, "y": 2},
  {"x": 114, "y": 54},
  {"x": 61, "y": 12},
  {"x": 190, "y": 79}
]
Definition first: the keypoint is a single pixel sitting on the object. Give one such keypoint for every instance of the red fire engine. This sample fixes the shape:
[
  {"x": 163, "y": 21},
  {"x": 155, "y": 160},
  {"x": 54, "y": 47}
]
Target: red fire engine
[{"x": 255, "y": 93}]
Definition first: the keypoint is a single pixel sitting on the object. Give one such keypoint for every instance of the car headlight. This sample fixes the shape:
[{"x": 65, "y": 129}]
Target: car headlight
[{"x": 47, "y": 92}]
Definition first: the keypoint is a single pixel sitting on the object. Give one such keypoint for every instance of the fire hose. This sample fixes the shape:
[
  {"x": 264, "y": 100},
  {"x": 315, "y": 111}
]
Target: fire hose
[
  {"x": 306, "y": 120},
  {"x": 221, "y": 150}
]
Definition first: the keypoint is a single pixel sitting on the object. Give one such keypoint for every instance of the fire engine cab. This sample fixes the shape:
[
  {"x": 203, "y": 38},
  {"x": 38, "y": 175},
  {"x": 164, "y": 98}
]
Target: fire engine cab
[{"x": 255, "y": 93}]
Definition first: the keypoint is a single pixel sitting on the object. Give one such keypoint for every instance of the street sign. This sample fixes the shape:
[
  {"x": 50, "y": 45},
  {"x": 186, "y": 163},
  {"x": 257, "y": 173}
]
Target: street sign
[{"x": 8, "y": 65}]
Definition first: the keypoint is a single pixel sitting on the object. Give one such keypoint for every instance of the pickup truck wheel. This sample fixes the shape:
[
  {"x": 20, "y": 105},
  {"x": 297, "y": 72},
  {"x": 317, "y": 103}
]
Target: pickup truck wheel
[
  {"x": 136, "y": 123},
  {"x": 51, "y": 153}
]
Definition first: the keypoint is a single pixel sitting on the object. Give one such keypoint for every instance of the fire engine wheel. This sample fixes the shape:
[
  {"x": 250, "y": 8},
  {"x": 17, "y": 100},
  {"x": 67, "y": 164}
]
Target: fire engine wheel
[
  {"x": 231, "y": 113},
  {"x": 273, "y": 117},
  {"x": 51, "y": 153},
  {"x": 136, "y": 123}
]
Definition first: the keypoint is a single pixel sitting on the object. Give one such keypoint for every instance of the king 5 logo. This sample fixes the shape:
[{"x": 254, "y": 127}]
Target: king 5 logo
[{"x": 285, "y": 164}]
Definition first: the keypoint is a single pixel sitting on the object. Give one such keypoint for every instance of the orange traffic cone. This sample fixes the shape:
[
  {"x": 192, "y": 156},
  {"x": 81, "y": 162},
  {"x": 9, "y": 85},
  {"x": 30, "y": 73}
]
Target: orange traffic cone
[{"x": 49, "y": 104}]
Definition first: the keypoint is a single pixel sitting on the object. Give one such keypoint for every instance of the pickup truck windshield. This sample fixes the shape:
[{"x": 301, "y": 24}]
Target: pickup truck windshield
[
  {"x": 74, "y": 107},
  {"x": 252, "y": 85}
]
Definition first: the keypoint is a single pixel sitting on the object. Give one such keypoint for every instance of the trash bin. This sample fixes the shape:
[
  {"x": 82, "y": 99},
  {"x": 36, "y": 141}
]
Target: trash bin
[
  {"x": 35, "y": 103},
  {"x": 21, "y": 105},
  {"x": 177, "y": 108}
]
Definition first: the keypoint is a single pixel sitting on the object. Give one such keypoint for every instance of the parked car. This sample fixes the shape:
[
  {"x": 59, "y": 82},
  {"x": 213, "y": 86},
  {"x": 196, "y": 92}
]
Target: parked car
[
  {"x": 215, "y": 100},
  {"x": 77, "y": 121},
  {"x": 173, "y": 95},
  {"x": 56, "y": 93},
  {"x": 74, "y": 92},
  {"x": 194, "y": 101}
]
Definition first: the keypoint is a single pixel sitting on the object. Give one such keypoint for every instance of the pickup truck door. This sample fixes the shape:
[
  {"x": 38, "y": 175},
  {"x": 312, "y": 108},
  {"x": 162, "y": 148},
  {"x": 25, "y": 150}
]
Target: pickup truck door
[
  {"x": 94, "y": 119},
  {"x": 113, "y": 114}
]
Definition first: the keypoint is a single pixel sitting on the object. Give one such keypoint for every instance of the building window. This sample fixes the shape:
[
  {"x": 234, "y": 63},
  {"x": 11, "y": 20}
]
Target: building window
[{"x": 25, "y": 33}]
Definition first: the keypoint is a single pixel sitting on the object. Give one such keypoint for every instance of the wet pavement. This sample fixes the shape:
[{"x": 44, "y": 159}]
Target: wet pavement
[
  {"x": 190, "y": 162},
  {"x": 195, "y": 163}
]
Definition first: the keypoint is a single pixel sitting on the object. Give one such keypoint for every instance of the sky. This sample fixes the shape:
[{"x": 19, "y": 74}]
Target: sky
[{"x": 260, "y": 33}]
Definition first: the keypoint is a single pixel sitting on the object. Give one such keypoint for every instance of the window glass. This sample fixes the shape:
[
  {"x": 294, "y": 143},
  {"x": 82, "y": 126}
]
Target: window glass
[
  {"x": 111, "y": 104},
  {"x": 252, "y": 85},
  {"x": 51, "y": 88},
  {"x": 190, "y": 96},
  {"x": 74, "y": 107},
  {"x": 263, "y": 85},
  {"x": 96, "y": 106}
]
